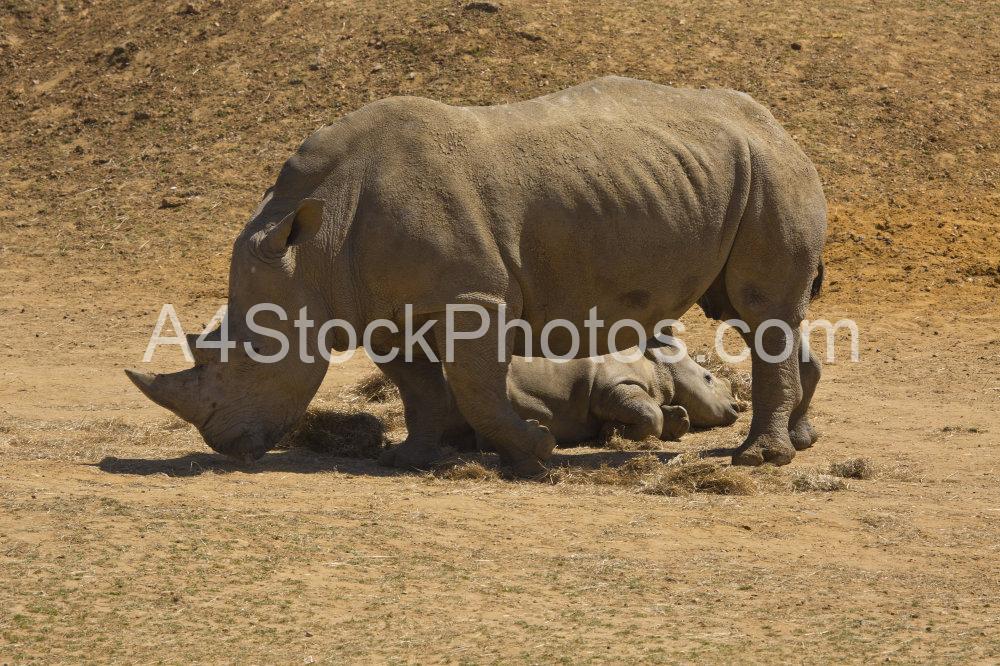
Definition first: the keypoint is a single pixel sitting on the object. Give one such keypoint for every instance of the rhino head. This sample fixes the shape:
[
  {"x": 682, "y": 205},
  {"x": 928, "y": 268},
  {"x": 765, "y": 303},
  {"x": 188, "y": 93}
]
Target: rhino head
[
  {"x": 708, "y": 400},
  {"x": 242, "y": 407}
]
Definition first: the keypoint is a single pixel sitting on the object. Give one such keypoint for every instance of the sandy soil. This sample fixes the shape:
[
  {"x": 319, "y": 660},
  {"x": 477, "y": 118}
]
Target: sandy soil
[{"x": 135, "y": 139}]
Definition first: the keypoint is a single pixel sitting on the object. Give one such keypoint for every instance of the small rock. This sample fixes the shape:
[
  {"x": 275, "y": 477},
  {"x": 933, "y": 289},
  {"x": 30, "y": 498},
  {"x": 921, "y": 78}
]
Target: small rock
[
  {"x": 189, "y": 9},
  {"x": 530, "y": 35},
  {"x": 140, "y": 115},
  {"x": 377, "y": 67},
  {"x": 295, "y": 82},
  {"x": 411, "y": 76},
  {"x": 796, "y": 46},
  {"x": 313, "y": 67},
  {"x": 172, "y": 202},
  {"x": 488, "y": 7},
  {"x": 121, "y": 56}
]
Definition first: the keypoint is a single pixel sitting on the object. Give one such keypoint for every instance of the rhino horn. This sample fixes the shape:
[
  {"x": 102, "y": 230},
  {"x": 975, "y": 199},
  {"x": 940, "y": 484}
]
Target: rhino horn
[{"x": 176, "y": 391}]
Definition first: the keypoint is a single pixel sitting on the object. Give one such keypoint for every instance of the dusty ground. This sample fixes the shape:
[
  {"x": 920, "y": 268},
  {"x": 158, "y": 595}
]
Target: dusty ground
[{"x": 123, "y": 539}]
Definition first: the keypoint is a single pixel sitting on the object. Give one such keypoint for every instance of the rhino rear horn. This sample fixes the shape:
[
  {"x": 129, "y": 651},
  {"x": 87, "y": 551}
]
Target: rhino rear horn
[
  {"x": 178, "y": 391},
  {"x": 202, "y": 355}
]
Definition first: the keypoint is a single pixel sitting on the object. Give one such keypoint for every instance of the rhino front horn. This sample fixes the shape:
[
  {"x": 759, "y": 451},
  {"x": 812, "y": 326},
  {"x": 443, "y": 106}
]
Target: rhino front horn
[{"x": 177, "y": 391}]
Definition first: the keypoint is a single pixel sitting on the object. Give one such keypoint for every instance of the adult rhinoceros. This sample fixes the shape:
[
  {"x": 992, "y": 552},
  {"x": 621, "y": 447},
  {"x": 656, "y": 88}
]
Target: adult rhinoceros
[{"x": 634, "y": 198}]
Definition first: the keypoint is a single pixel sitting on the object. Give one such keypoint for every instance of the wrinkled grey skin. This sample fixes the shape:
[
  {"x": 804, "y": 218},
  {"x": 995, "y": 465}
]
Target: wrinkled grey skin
[
  {"x": 633, "y": 197},
  {"x": 584, "y": 399}
]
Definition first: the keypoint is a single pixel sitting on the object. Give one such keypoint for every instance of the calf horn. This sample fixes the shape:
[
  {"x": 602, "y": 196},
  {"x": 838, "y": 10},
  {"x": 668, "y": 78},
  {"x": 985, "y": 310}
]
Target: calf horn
[{"x": 178, "y": 391}]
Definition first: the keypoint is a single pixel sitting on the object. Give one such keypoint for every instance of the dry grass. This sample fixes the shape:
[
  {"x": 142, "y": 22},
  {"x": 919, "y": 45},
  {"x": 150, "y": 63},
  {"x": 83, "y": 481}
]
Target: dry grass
[
  {"x": 627, "y": 474},
  {"x": 375, "y": 387},
  {"x": 351, "y": 434},
  {"x": 854, "y": 468},
  {"x": 680, "y": 476},
  {"x": 814, "y": 482},
  {"x": 616, "y": 442},
  {"x": 689, "y": 474},
  {"x": 467, "y": 470},
  {"x": 83, "y": 440}
]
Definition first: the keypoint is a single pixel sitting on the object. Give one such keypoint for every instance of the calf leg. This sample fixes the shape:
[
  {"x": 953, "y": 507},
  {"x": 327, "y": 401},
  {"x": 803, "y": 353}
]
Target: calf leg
[{"x": 631, "y": 410}]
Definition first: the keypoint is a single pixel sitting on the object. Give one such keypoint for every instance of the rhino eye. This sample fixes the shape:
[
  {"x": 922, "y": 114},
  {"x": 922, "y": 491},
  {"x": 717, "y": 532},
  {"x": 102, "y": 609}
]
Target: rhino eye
[{"x": 708, "y": 378}]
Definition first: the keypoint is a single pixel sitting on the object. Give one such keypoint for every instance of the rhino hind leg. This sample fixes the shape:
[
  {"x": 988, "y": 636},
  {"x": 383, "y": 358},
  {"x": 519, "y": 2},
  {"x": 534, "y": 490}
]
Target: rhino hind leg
[
  {"x": 478, "y": 382},
  {"x": 802, "y": 433},
  {"x": 629, "y": 410},
  {"x": 430, "y": 413}
]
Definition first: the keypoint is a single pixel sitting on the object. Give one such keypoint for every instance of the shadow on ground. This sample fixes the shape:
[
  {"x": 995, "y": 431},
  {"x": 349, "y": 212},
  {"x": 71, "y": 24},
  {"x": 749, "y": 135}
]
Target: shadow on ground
[{"x": 349, "y": 443}]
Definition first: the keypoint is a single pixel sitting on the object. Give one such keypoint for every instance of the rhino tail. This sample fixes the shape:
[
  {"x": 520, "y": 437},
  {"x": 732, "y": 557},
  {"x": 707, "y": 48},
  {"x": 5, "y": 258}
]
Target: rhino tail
[{"x": 817, "y": 284}]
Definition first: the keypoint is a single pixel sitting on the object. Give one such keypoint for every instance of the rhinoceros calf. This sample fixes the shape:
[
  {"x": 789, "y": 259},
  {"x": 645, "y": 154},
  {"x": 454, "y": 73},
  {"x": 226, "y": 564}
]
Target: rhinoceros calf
[
  {"x": 583, "y": 399},
  {"x": 626, "y": 196}
]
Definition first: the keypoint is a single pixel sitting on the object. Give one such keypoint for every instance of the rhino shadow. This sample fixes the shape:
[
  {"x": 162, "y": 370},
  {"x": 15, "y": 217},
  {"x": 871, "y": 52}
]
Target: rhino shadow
[
  {"x": 297, "y": 460},
  {"x": 349, "y": 443},
  {"x": 301, "y": 460}
]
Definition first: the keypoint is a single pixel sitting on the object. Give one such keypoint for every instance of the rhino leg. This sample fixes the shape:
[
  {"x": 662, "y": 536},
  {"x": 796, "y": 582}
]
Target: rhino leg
[
  {"x": 776, "y": 391},
  {"x": 769, "y": 276},
  {"x": 479, "y": 383},
  {"x": 800, "y": 430},
  {"x": 629, "y": 409},
  {"x": 430, "y": 412}
]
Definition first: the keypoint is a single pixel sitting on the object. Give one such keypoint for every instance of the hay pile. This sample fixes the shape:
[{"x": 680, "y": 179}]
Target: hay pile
[
  {"x": 681, "y": 476},
  {"x": 854, "y": 468},
  {"x": 350, "y": 434}
]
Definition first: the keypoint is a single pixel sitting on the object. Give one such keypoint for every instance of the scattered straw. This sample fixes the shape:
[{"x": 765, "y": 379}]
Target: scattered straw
[
  {"x": 351, "y": 434},
  {"x": 468, "y": 471},
  {"x": 855, "y": 468},
  {"x": 688, "y": 474},
  {"x": 375, "y": 387},
  {"x": 812, "y": 482},
  {"x": 616, "y": 442}
]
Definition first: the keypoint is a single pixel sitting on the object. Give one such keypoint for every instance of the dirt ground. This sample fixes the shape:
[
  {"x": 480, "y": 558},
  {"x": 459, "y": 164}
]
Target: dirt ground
[{"x": 136, "y": 138}]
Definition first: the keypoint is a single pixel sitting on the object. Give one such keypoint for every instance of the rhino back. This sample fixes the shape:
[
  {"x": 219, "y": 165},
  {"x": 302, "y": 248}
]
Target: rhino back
[{"x": 619, "y": 194}]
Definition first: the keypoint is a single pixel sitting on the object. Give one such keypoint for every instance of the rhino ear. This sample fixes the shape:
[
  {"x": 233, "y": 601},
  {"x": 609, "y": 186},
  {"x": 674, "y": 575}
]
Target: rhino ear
[{"x": 296, "y": 228}]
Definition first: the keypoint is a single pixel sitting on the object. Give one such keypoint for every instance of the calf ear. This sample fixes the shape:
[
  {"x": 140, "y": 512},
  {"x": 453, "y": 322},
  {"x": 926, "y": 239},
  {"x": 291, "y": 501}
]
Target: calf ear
[{"x": 296, "y": 228}]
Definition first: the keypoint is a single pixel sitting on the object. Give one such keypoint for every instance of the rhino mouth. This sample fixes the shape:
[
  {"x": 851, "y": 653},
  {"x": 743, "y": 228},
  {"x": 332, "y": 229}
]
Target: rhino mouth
[{"x": 246, "y": 448}]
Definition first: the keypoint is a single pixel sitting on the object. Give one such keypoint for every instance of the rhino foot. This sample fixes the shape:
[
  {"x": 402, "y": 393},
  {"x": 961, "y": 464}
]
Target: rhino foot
[
  {"x": 764, "y": 448},
  {"x": 411, "y": 454},
  {"x": 803, "y": 435}
]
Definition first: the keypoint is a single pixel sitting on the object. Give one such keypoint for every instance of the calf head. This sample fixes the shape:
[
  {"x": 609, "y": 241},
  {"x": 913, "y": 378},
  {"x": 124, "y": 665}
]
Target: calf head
[{"x": 708, "y": 400}]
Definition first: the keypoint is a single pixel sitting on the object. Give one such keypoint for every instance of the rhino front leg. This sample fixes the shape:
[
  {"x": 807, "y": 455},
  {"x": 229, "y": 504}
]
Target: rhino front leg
[
  {"x": 629, "y": 409},
  {"x": 430, "y": 412},
  {"x": 478, "y": 381}
]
